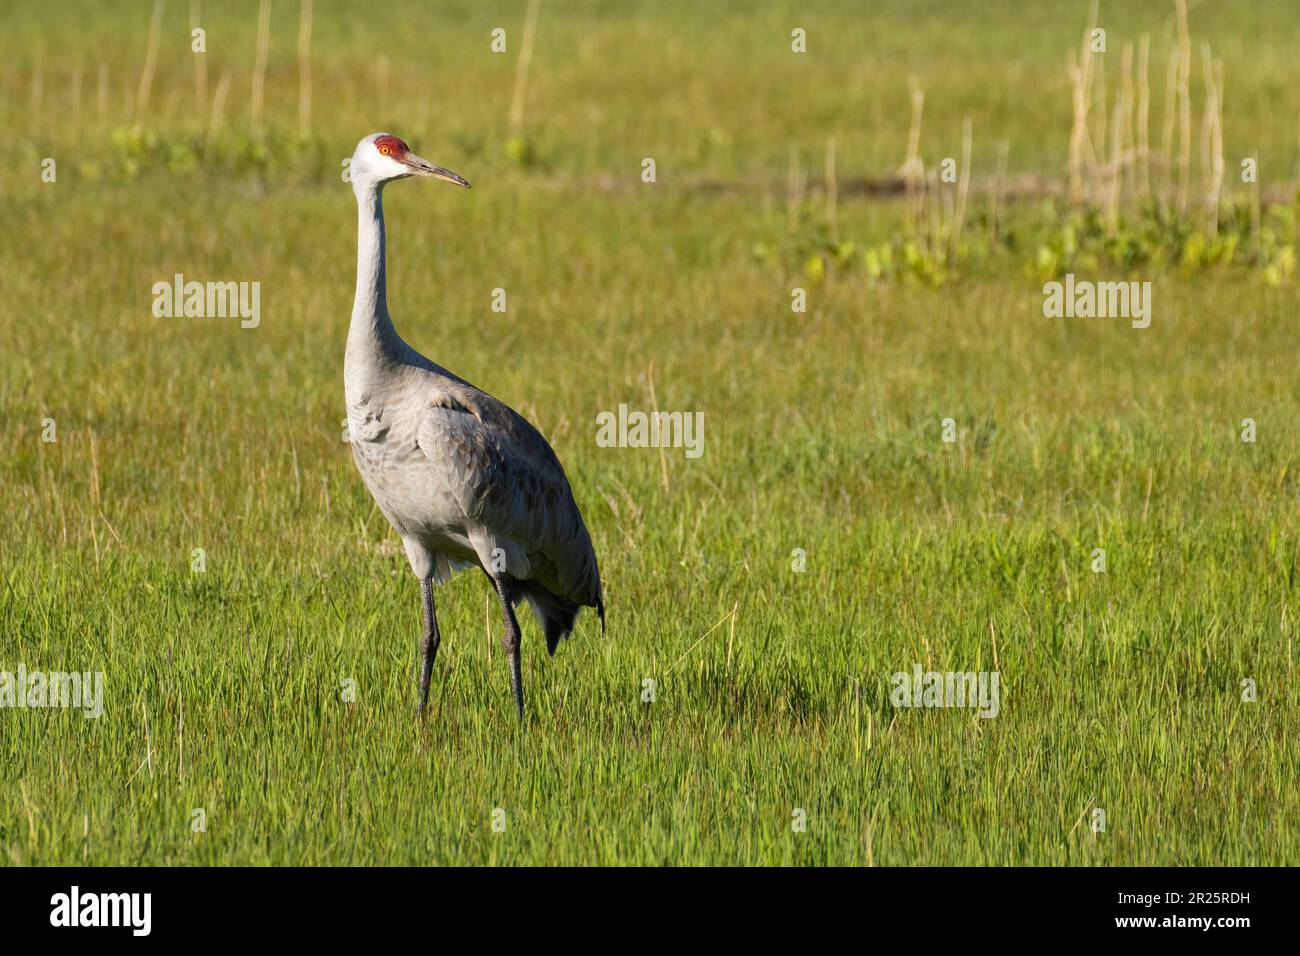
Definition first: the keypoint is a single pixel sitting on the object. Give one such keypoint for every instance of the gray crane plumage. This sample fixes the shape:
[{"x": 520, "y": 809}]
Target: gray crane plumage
[{"x": 463, "y": 478}]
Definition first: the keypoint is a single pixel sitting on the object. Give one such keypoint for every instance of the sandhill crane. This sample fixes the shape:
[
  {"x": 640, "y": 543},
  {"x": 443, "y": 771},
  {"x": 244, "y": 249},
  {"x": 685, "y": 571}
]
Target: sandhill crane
[{"x": 465, "y": 480}]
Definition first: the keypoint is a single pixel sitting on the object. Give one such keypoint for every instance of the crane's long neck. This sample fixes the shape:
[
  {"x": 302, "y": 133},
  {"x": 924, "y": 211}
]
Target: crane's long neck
[{"x": 371, "y": 336}]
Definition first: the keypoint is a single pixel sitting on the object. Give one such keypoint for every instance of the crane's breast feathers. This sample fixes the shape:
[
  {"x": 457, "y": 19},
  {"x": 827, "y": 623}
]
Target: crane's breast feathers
[{"x": 505, "y": 477}]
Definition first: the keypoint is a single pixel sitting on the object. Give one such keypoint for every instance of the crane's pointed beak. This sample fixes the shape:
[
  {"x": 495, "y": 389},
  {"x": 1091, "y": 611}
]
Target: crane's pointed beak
[{"x": 422, "y": 167}]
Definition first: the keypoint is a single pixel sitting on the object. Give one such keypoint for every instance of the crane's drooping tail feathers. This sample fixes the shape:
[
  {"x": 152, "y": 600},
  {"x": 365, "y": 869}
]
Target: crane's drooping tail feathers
[{"x": 555, "y": 613}]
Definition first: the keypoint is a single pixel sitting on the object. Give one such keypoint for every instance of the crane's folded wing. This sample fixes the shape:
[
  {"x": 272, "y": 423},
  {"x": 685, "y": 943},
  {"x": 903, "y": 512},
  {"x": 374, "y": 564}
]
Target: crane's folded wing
[{"x": 505, "y": 477}]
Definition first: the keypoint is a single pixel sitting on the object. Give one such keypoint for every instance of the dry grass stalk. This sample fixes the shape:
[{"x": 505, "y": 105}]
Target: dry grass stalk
[
  {"x": 912, "y": 172},
  {"x": 1099, "y": 109},
  {"x": 1115, "y": 169},
  {"x": 519, "y": 98},
  {"x": 1078, "y": 129},
  {"x": 1171, "y": 119},
  {"x": 1126, "y": 100},
  {"x": 1080, "y": 71},
  {"x": 1144, "y": 116},
  {"x": 1216, "y": 148},
  {"x": 963, "y": 188},
  {"x": 218, "y": 105},
  {"x": 1212, "y": 139},
  {"x": 1121, "y": 138},
  {"x": 304, "y": 68},
  {"x": 150, "y": 64},
  {"x": 1184, "y": 108},
  {"x": 259, "y": 67},
  {"x": 200, "y": 64}
]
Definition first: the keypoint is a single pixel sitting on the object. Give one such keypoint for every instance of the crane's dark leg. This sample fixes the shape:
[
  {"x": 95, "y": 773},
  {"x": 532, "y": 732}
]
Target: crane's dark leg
[
  {"x": 511, "y": 641},
  {"x": 429, "y": 642}
]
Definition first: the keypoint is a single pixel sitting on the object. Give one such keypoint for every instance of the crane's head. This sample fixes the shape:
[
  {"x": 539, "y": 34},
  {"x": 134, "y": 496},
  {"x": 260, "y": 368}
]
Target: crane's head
[{"x": 381, "y": 158}]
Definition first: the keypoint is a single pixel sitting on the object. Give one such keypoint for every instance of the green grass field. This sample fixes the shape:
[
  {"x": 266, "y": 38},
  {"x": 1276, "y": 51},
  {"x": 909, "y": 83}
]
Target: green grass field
[{"x": 1121, "y": 691}]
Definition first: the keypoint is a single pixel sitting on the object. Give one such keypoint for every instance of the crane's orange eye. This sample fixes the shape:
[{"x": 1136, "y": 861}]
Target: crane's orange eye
[{"x": 384, "y": 150}]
